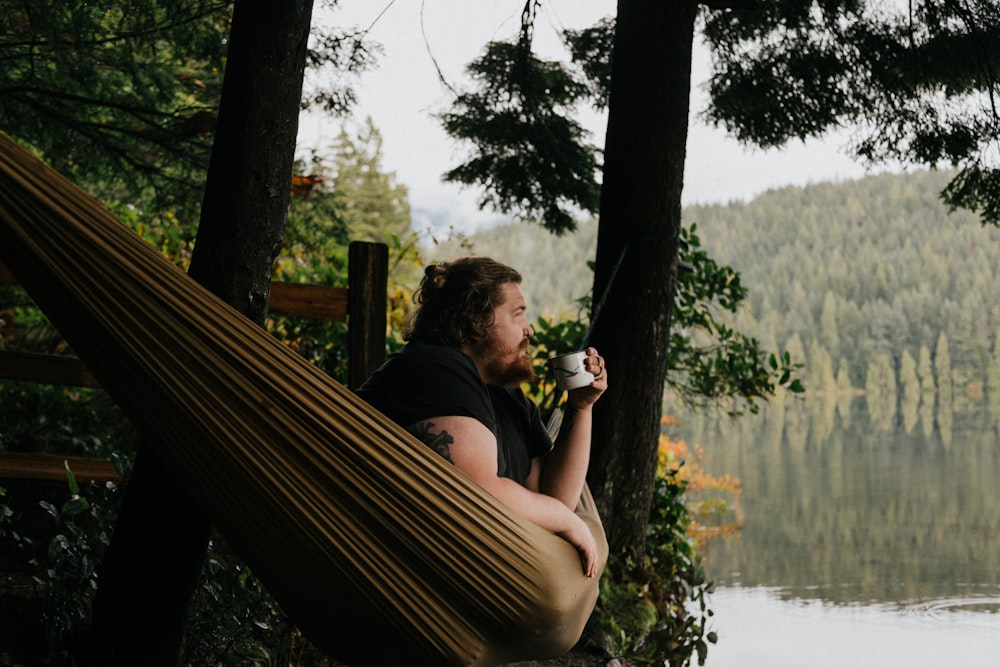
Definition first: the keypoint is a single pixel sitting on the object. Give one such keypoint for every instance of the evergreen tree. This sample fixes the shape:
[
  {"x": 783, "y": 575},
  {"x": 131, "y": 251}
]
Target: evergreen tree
[
  {"x": 829, "y": 334},
  {"x": 346, "y": 195},
  {"x": 910, "y": 400},
  {"x": 880, "y": 392},
  {"x": 819, "y": 366},
  {"x": 993, "y": 382},
  {"x": 993, "y": 373},
  {"x": 908, "y": 379},
  {"x": 117, "y": 97},
  {"x": 925, "y": 371},
  {"x": 373, "y": 205},
  {"x": 845, "y": 392},
  {"x": 844, "y": 386},
  {"x": 942, "y": 369}
]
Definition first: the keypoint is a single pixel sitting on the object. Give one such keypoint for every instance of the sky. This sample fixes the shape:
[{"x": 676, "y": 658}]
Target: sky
[{"x": 402, "y": 96}]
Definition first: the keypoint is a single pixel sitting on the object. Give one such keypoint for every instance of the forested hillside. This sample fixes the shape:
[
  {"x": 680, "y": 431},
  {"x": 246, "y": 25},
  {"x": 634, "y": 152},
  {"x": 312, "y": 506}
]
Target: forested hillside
[{"x": 872, "y": 283}]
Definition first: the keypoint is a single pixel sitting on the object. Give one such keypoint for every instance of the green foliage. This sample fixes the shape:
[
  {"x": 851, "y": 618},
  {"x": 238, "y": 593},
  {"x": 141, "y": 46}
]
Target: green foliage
[
  {"x": 656, "y": 612},
  {"x": 709, "y": 360},
  {"x": 234, "y": 620},
  {"x": 66, "y": 420},
  {"x": 324, "y": 344},
  {"x": 70, "y": 575},
  {"x": 529, "y": 153},
  {"x": 23, "y": 326},
  {"x": 976, "y": 189},
  {"x": 916, "y": 81},
  {"x": 123, "y": 98},
  {"x": 346, "y": 196},
  {"x": 169, "y": 231},
  {"x": 5, "y": 515},
  {"x": 624, "y": 619},
  {"x": 34, "y": 417},
  {"x": 591, "y": 49},
  {"x": 134, "y": 89},
  {"x": 551, "y": 337},
  {"x": 62, "y": 557}
]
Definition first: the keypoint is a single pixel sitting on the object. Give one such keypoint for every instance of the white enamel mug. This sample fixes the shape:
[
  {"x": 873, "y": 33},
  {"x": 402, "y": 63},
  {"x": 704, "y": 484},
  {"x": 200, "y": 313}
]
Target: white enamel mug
[{"x": 570, "y": 371}]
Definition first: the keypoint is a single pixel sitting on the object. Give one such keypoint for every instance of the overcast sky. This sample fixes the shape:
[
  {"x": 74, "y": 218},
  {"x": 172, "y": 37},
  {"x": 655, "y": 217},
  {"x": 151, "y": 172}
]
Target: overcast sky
[{"x": 404, "y": 92}]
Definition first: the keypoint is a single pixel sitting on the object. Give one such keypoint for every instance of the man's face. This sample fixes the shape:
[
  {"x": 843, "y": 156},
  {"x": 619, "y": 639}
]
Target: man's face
[{"x": 505, "y": 360}]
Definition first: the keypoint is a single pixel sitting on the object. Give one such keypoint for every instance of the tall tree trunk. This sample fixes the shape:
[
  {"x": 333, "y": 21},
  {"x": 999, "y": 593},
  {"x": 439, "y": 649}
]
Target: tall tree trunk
[
  {"x": 640, "y": 217},
  {"x": 149, "y": 574}
]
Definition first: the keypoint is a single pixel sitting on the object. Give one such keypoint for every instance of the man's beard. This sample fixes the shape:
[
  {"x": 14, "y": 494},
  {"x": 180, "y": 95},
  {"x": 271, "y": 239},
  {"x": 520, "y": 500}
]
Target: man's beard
[{"x": 509, "y": 369}]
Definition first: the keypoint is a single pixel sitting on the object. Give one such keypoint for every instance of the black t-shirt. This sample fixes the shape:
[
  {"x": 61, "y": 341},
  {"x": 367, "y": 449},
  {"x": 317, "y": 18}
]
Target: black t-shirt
[{"x": 423, "y": 381}]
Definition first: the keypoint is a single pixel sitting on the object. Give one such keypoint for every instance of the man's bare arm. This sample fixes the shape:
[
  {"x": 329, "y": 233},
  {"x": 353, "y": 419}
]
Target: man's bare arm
[
  {"x": 471, "y": 446},
  {"x": 564, "y": 470},
  {"x": 439, "y": 441}
]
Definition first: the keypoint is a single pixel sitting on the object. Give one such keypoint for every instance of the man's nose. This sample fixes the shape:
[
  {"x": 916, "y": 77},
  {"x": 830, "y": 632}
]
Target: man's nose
[{"x": 528, "y": 331}]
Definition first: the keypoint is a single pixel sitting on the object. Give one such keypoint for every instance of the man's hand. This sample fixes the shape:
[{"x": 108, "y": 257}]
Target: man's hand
[
  {"x": 582, "y": 398},
  {"x": 580, "y": 537}
]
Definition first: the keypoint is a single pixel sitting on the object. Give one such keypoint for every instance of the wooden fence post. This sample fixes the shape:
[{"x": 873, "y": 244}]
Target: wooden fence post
[{"x": 368, "y": 268}]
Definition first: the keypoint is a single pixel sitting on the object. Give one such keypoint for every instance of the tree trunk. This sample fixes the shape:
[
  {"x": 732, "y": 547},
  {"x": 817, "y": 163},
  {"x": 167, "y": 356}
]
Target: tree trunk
[
  {"x": 150, "y": 571},
  {"x": 640, "y": 217}
]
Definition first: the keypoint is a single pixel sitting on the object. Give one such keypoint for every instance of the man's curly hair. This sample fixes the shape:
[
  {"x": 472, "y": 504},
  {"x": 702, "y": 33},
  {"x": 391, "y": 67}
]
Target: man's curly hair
[{"x": 456, "y": 300}]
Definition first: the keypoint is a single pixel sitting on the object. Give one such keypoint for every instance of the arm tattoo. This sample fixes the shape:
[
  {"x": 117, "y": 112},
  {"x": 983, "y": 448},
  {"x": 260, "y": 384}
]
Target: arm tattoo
[{"x": 439, "y": 442}]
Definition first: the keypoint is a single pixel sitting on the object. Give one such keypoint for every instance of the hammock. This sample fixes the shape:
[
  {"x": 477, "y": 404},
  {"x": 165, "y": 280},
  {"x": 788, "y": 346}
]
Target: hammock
[{"x": 377, "y": 548}]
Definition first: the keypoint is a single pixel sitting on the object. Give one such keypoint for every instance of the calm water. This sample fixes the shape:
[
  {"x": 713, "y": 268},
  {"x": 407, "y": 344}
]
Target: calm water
[{"x": 863, "y": 541}]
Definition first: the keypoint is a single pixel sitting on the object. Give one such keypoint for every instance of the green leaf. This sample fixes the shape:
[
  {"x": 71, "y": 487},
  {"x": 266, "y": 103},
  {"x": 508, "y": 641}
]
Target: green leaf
[
  {"x": 74, "y": 488},
  {"x": 75, "y": 506}
]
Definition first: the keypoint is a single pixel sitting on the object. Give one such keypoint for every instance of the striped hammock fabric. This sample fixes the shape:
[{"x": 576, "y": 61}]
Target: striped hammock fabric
[{"x": 375, "y": 546}]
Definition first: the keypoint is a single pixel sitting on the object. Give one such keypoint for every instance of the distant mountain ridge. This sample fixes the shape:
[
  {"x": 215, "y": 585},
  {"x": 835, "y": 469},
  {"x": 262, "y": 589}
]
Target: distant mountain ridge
[{"x": 848, "y": 270}]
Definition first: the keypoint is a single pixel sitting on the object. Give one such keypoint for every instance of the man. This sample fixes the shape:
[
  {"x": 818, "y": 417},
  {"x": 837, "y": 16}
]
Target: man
[{"x": 455, "y": 386}]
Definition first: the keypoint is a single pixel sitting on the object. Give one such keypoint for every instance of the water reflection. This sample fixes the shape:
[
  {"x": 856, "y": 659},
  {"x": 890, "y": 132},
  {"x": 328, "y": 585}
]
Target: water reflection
[
  {"x": 867, "y": 538},
  {"x": 846, "y": 511}
]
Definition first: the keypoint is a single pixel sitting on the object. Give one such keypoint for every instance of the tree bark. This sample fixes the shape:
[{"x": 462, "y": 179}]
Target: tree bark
[
  {"x": 150, "y": 571},
  {"x": 640, "y": 218}
]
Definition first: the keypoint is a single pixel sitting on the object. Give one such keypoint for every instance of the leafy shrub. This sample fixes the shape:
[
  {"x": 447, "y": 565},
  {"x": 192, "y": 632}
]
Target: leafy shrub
[
  {"x": 551, "y": 337},
  {"x": 70, "y": 573},
  {"x": 50, "y": 542},
  {"x": 233, "y": 620},
  {"x": 655, "y": 611}
]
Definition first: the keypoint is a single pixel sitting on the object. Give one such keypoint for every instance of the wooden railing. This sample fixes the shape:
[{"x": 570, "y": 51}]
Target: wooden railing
[{"x": 362, "y": 305}]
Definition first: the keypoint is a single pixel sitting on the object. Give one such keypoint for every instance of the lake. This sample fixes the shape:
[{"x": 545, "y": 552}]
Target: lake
[{"x": 864, "y": 540}]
